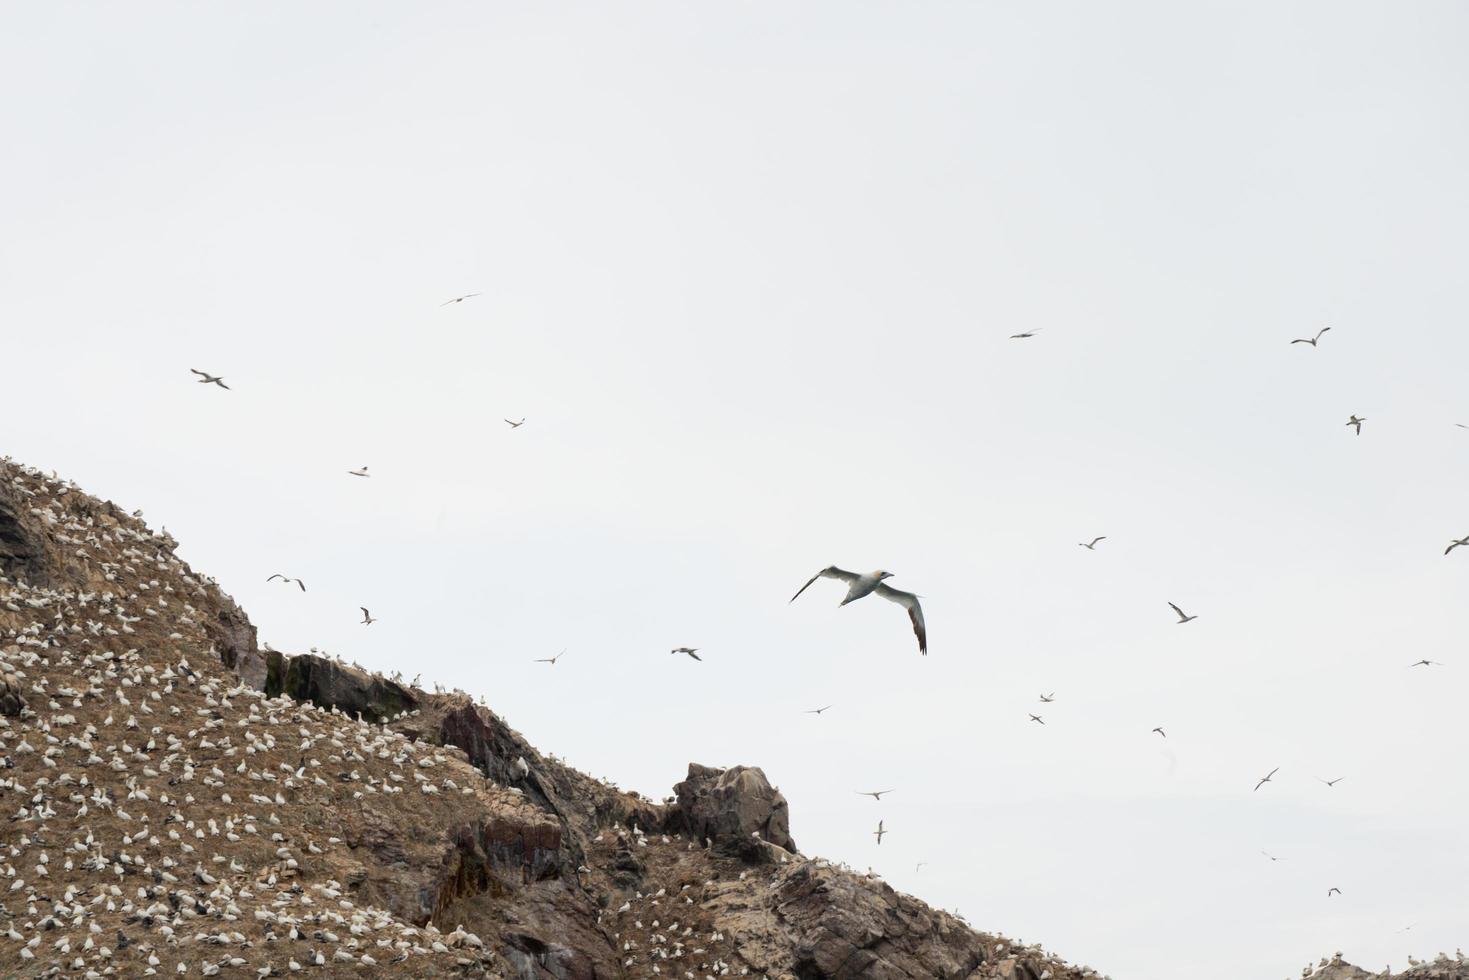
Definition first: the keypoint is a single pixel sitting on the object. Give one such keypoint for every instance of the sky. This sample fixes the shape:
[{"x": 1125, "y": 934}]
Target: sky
[{"x": 750, "y": 273}]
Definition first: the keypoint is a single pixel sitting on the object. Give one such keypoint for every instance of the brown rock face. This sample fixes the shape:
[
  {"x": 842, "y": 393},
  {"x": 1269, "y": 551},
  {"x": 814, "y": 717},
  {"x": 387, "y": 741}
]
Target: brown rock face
[
  {"x": 731, "y": 806},
  {"x": 328, "y": 684}
]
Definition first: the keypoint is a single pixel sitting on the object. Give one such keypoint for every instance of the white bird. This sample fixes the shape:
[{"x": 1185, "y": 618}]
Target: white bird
[
  {"x": 1026, "y": 334},
  {"x": 459, "y": 299},
  {"x": 876, "y": 794},
  {"x": 1092, "y": 545},
  {"x": 551, "y": 660},
  {"x": 814, "y": 711},
  {"x": 1330, "y": 782},
  {"x": 879, "y": 832},
  {"x": 515, "y": 425},
  {"x": 1267, "y": 778},
  {"x": 1311, "y": 340},
  {"x": 1357, "y": 422},
  {"x": 1425, "y": 663},
  {"x": 1048, "y": 698},
  {"x": 861, "y": 585},
  {"x": 367, "y": 617},
  {"x": 210, "y": 379},
  {"x": 287, "y": 579},
  {"x": 1037, "y": 719},
  {"x": 361, "y": 472},
  {"x": 1181, "y": 617},
  {"x": 689, "y": 651},
  {"x": 1270, "y": 856}
]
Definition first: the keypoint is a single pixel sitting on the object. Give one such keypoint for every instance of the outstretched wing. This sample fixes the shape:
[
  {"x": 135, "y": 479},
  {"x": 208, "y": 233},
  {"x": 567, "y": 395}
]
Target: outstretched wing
[
  {"x": 302, "y": 584},
  {"x": 275, "y": 576},
  {"x": 1181, "y": 613},
  {"x": 1321, "y": 331},
  {"x": 915, "y": 612},
  {"x": 1300, "y": 341},
  {"x": 831, "y": 571},
  {"x": 198, "y": 372}
]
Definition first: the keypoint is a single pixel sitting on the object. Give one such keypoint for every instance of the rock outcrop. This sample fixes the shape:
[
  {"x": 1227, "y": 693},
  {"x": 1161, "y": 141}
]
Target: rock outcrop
[{"x": 736, "y": 809}]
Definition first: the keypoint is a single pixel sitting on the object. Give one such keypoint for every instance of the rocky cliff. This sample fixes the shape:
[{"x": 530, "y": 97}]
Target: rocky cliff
[{"x": 181, "y": 801}]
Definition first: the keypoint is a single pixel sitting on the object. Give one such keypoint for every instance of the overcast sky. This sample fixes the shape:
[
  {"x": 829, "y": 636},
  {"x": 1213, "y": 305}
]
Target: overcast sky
[{"x": 749, "y": 273}]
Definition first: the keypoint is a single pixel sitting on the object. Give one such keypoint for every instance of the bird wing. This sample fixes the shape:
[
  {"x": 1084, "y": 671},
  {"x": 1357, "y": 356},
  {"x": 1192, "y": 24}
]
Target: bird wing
[
  {"x": 1300, "y": 341},
  {"x": 220, "y": 382},
  {"x": 364, "y": 611},
  {"x": 1451, "y": 547},
  {"x": 915, "y": 612},
  {"x": 275, "y": 576},
  {"x": 1180, "y": 612},
  {"x": 198, "y": 372},
  {"x": 1100, "y": 537},
  {"x": 1321, "y": 331},
  {"x": 831, "y": 571},
  {"x": 694, "y": 655},
  {"x": 302, "y": 584}
]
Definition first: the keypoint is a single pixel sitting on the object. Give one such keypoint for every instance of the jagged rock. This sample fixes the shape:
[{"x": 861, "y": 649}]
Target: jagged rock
[
  {"x": 328, "y": 684},
  {"x": 729, "y": 807},
  {"x": 11, "y": 701}
]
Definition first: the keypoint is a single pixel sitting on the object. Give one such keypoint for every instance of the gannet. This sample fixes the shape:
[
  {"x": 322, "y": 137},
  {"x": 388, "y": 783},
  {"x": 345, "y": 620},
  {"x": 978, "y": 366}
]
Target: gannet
[
  {"x": 1160, "y": 731},
  {"x": 515, "y": 425},
  {"x": 551, "y": 660},
  {"x": 689, "y": 651},
  {"x": 209, "y": 379},
  {"x": 861, "y": 585},
  {"x": 1330, "y": 891},
  {"x": 1426, "y": 663},
  {"x": 1026, "y": 334},
  {"x": 1311, "y": 340},
  {"x": 1037, "y": 719},
  {"x": 1181, "y": 617},
  {"x": 287, "y": 579},
  {"x": 814, "y": 711},
  {"x": 361, "y": 472},
  {"x": 1266, "y": 779},
  {"x": 459, "y": 299},
  {"x": 1092, "y": 546},
  {"x": 1048, "y": 698},
  {"x": 876, "y": 794},
  {"x": 879, "y": 832},
  {"x": 1330, "y": 782},
  {"x": 367, "y": 618},
  {"x": 1357, "y": 422}
]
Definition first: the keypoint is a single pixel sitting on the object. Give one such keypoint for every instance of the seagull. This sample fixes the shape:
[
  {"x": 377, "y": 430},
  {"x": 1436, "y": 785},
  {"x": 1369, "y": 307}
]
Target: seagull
[
  {"x": 1036, "y": 719},
  {"x": 1266, "y": 779},
  {"x": 1092, "y": 546},
  {"x": 1426, "y": 663},
  {"x": 875, "y": 794},
  {"x": 861, "y": 585},
  {"x": 1357, "y": 422},
  {"x": 209, "y": 379},
  {"x": 287, "y": 579},
  {"x": 459, "y": 299},
  {"x": 815, "y": 711},
  {"x": 551, "y": 660},
  {"x": 367, "y": 619},
  {"x": 361, "y": 472},
  {"x": 1048, "y": 698},
  {"x": 1182, "y": 618},
  {"x": 1161, "y": 732},
  {"x": 1270, "y": 856},
  {"x": 1331, "y": 782},
  {"x": 1329, "y": 891},
  {"x": 1027, "y": 334},
  {"x": 689, "y": 651},
  {"x": 878, "y": 833},
  {"x": 515, "y": 425},
  {"x": 1311, "y": 340}
]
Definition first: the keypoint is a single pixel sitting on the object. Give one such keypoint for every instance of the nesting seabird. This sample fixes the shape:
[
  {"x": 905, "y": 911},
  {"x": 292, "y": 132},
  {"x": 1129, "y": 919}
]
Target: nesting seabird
[
  {"x": 210, "y": 379},
  {"x": 1311, "y": 340},
  {"x": 861, "y": 585},
  {"x": 1266, "y": 779},
  {"x": 1182, "y": 618},
  {"x": 688, "y": 650},
  {"x": 287, "y": 579}
]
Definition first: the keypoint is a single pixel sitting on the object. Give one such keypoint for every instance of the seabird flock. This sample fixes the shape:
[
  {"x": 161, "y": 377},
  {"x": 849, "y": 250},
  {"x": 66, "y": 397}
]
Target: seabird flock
[{"x": 861, "y": 585}]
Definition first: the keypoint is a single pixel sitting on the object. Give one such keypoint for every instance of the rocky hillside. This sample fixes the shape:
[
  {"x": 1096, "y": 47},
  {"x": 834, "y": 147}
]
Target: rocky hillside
[{"x": 182, "y": 802}]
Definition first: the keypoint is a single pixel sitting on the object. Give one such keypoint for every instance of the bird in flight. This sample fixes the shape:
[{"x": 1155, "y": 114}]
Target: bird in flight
[
  {"x": 1311, "y": 340},
  {"x": 1092, "y": 545},
  {"x": 209, "y": 379},
  {"x": 551, "y": 660},
  {"x": 367, "y": 617},
  {"x": 1266, "y": 779},
  {"x": 515, "y": 425},
  {"x": 920, "y": 865},
  {"x": 1456, "y": 543},
  {"x": 1161, "y": 732},
  {"x": 1182, "y": 618},
  {"x": 459, "y": 299},
  {"x": 361, "y": 472},
  {"x": 814, "y": 711},
  {"x": 1357, "y": 422},
  {"x": 1036, "y": 719},
  {"x": 1426, "y": 663},
  {"x": 1048, "y": 698},
  {"x": 1331, "y": 891},
  {"x": 879, "y": 832},
  {"x": 689, "y": 651},
  {"x": 1026, "y": 335},
  {"x": 1270, "y": 856},
  {"x": 861, "y": 585},
  {"x": 287, "y": 579},
  {"x": 876, "y": 794},
  {"x": 1331, "y": 782}
]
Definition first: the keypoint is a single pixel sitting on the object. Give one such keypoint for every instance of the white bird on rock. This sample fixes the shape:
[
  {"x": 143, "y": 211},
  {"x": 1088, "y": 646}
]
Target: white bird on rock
[{"x": 861, "y": 585}]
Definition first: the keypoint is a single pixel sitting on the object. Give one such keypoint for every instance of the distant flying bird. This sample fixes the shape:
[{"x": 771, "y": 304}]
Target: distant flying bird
[
  {"x": 1048, "y": 698},
  {"x": 920, "y": 865},
  {"x": 1270, "y": 856},
  {"x": 689, "y": 651},
  {"x": 1266, "y": 779},
  {"x": 459, "y": 299},
  {"x": 1181, "y": 617},
  {"x": 367, "y": 619},
  {"x": 1456, "y": 543},
  {"x": 861, "y": 585},
  {"x": 1161, "y": 732},
  {"x": 209, "y": 379},
  {"x": 876, "y": 794},
  {"x": 879, "y": 832},
  {"x": 815, "y": 711},
  {"x": 361, "y": 472},
  {"x": 1331, "y": 782},
  {"x": 515, "y": 425},
  {"x": 1027, "y": 334},
  {"x": 551, "y": 660},
  {"x": 1092, "y": 546},
  {"x": 1357, "y": 422},
  {"x": 287, "y": 579},
  {"x": 1037, "y": 719},
  {"x": 1331, "y": 891},
  {"x": 1311, "y": 340},
  {"x": 1426, "y": 663}
]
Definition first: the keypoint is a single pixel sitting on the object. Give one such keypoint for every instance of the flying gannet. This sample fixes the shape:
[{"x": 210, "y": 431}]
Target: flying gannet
[
  {"x": 861, "y": 585},
  {"x": 1267, "y": 778},
  {"x": 688, "y": 650},
  {"x": 1182, "y": 618},
  {"x": 209, "y": 379},
  {"x": 288, "y": 580},
  {"x": 1311, "y": 340},
  {"x": 459, "y": 299},
  {"x": 1092, "y": 546},
  {"x": 1357, "y": 422}
]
